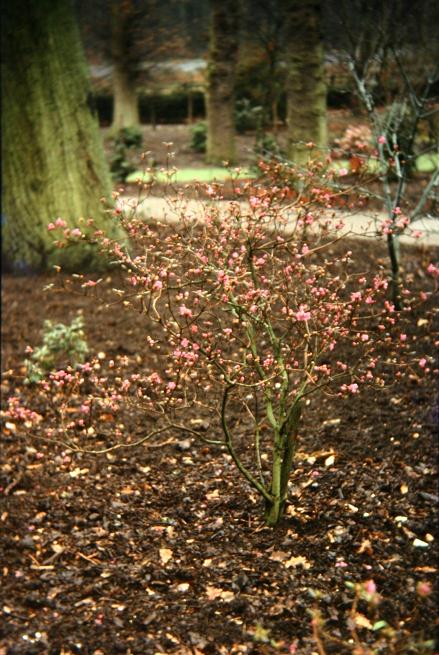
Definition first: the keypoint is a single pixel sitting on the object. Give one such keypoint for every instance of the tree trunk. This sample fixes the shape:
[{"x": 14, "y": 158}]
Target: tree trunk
[
  {"x": 285, "y": 444},
  {"x": 53, "y": 160},
  {"x": 306, "y": 89},
  {"x": 125, "y": 99},
  {"x": 220, "y": 104}
]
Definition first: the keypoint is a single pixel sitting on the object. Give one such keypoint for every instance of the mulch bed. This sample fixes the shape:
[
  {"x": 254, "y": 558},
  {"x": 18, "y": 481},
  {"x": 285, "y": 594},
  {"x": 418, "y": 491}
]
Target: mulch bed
[{"x": 163, "y": 549}]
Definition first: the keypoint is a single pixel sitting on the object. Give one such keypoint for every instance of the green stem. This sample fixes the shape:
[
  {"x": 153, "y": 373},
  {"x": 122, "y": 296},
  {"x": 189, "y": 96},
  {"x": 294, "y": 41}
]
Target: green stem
[{"x": 228, "y": 441}]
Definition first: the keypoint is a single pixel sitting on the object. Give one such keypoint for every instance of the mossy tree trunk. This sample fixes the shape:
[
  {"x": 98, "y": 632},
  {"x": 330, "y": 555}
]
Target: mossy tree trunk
[
  {"x": 53, "y": 160},
  {"x": 125, "y": 97},
  {"x": 306, "y": 88},
  {"x": 220, "y": 101}
]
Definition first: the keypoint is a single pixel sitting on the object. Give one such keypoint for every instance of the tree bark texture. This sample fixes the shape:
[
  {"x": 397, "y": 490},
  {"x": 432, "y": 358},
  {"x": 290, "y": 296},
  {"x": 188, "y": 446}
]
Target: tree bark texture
[
  {"x": 306, "y": 88},
  {"x": 53, "y": 159},
  {"x": 220, "y": 103}
]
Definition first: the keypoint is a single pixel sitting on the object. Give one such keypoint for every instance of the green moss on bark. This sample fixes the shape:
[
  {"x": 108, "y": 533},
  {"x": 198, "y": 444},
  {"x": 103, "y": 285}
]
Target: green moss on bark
[
  {"x": 53, "y": 160},
  {"x": 220, "y": 101},
  {"x": 306, "y": 88}
]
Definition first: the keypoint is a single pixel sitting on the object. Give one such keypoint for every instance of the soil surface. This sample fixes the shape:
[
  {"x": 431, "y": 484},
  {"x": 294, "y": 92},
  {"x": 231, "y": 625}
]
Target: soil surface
[{"x": 162, "y": 549}]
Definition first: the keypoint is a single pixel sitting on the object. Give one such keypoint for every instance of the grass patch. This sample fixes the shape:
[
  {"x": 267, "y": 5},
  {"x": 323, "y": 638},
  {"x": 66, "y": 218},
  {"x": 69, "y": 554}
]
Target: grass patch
[{"x": 424, "y": 164}]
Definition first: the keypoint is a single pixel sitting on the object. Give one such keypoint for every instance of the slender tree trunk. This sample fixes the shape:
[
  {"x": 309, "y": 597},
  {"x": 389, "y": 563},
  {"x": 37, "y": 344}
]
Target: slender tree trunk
[
  {"x": 125, "y": 100},
  {"x": 125, "y": 97},
  {"x": 306, "y": 89},
  {"x": 221, "y": 80},
  {"x": 283, "y": 453},
  {"x": 53, "y": 160}
]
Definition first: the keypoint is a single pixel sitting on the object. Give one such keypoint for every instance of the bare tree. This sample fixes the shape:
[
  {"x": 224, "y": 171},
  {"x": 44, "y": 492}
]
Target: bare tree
[{"x": 399, "y": 67}]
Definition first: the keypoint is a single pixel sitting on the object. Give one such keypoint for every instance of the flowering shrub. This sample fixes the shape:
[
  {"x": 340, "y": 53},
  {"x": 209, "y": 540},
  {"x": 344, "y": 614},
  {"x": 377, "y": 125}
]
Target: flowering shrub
[
  {"x": 357, "y": 145},
  {"x": 253, "y": 307}
]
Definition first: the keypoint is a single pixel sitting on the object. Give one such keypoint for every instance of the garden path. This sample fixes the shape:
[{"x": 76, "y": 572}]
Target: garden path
[{"x": 359, "y": 224}]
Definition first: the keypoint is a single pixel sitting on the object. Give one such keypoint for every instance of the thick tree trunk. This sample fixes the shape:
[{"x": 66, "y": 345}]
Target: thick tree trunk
[
  {"x": 220, "y": 104},
  {"x": 306, "y": 89},
  {"x": 53, "y": 160}
]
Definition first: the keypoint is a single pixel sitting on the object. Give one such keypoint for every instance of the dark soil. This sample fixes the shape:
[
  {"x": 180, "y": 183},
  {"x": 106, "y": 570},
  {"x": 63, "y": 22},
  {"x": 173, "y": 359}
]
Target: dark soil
[{"x": 162, "y": 549}]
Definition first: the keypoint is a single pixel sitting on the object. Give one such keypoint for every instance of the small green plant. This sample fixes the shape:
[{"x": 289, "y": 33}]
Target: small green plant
[
  {"x": 199, "y": 137},
  {"x": 247, "y": 116},
  {"x": 126, "y": 146},
  {"x": 61, "y": 344},
  {"x": 267, "y": 149}
]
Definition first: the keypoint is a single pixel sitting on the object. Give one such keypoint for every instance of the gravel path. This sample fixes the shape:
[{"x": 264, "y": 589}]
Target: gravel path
[{"x": 360, "y": 224}]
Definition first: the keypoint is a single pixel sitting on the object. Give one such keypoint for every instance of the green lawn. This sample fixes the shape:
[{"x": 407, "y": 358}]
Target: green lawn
[{"x": 424, "y": 164}]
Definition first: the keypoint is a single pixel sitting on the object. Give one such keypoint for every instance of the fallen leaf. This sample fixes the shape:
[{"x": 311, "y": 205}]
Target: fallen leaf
[
  {"x": 215, "y": 592},
  {"x": 214, "y": 494},
  {"x": 365, "y": 547},
  {"x": 298, "y": 561},
  {"x": 279, "y": 556},
  {"x": 165, "y": 555},
  {"x": 418, "y": 543},
  {"x": 329, "y": 461},
  {"x": 362, "y": 621},
  {"x": 183, "y": 586}
]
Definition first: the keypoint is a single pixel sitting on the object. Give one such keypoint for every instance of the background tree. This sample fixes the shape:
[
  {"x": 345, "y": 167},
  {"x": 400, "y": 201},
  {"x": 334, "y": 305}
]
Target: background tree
[
  {"x": 125, "y": 17},
  {"x": 306, "y": 88},
  {"x": 223, "y": 52},
  {"x": 396, "y": 76},
  {"x": 133, "y": 36},
  {"x": 262, "y": 54},
  {"x": 53, "y": 160}
]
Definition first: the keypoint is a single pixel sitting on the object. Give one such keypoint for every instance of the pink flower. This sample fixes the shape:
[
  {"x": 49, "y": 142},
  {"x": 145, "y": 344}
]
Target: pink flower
[
  {"x": 422, "y": 362},
  {"x": 158, "y": 284},
  {"x": 302, "y": 314},
  {"x": 51, "y": 227},
  {"x": 356, "y": 296},
  {"x": 184, "y": 311},
  {"x": 353, "y": 388},
  {"x": 76, "y": 232},
  {"x": 342, "y": 172},
  {"x": 60, "y": 223},
  {"x": 382, "y": 139},
  {"x": 364, "y": 337},
  {"x": 423, "y": 589},
  {"x": 431, "y": 268},
  {"x": 171, "y": 386},
  {"x": 403, "y": 337},
  {"x": 155, "y": 378},
  {"x": 370, "y": 587}
]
